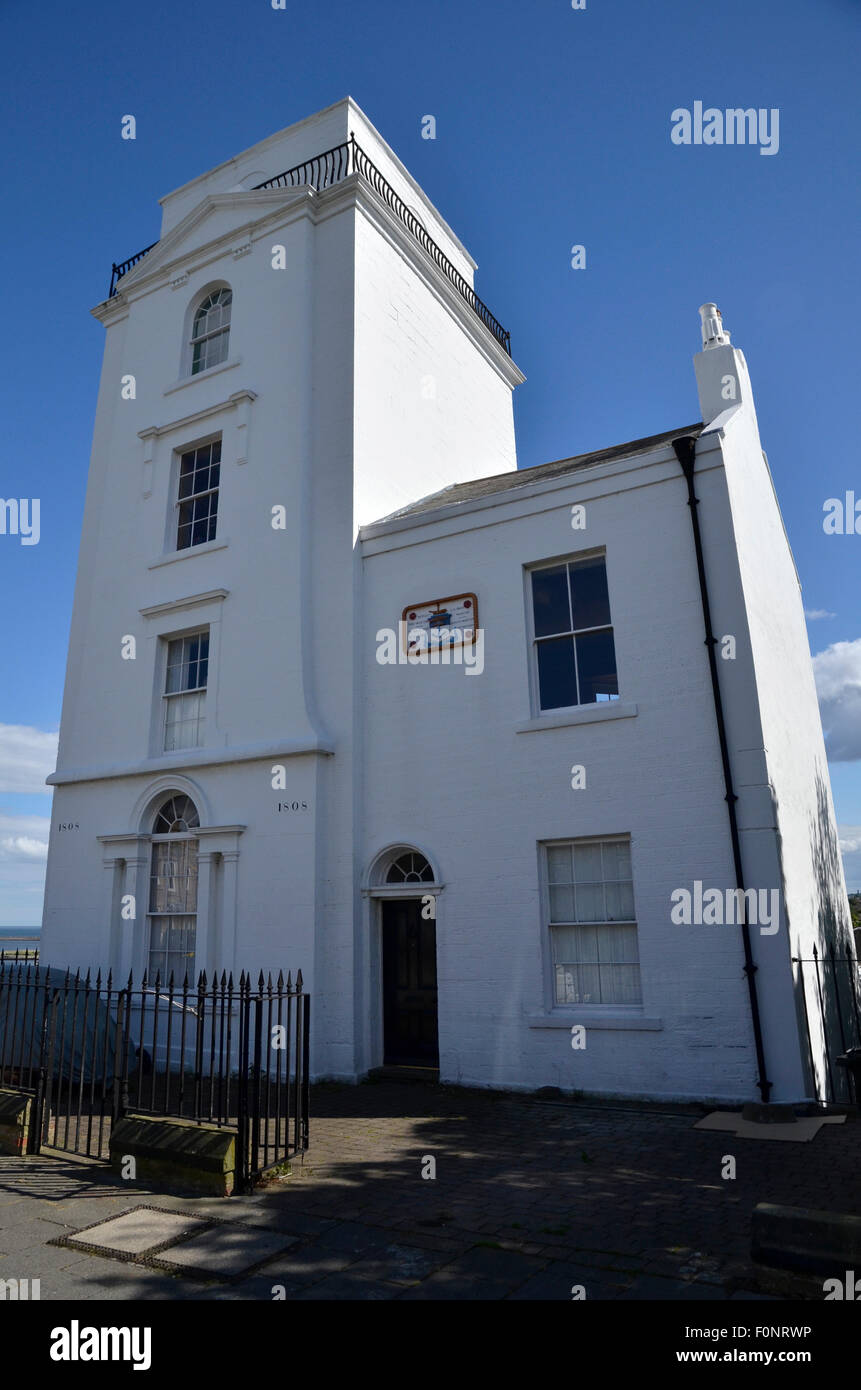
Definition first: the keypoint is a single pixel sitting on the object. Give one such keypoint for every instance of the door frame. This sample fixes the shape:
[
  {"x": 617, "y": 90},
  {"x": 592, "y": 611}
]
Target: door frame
[
  {"x": 416, "y": 898},
  {"x": 374, "y": 894}
]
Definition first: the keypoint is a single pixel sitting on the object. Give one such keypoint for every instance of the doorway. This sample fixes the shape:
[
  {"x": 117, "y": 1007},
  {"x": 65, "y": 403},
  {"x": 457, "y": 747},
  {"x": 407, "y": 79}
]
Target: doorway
[{"x": 410, "y": 1030}]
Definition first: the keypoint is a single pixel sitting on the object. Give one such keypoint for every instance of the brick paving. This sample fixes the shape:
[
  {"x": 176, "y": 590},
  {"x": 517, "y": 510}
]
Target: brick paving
[{"x": 530, "y": 1198}]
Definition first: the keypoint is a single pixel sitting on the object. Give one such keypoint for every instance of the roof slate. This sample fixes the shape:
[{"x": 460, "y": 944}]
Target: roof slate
[{"x": 522, "y": 477}]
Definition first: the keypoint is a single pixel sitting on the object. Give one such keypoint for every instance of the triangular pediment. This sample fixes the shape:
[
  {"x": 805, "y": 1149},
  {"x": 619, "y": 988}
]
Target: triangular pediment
[{"x": 217, "y": 216}]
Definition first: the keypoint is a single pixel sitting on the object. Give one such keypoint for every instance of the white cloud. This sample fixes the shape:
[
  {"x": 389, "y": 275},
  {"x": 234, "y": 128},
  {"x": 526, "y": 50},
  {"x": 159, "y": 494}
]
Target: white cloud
[
  {"x": 23, "y": 856},
  {"x": 838, "y": 683},
  {"x": 811, "y": 614},
  {"x": 850, "y": 838},
  {"x": 27, "y": 756},
  {"x": 850, "y": 846},
  {"x": 23, "y": 847}
]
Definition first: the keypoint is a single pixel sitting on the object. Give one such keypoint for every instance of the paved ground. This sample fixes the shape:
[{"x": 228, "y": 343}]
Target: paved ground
[{"x": 530, "y": 1199}]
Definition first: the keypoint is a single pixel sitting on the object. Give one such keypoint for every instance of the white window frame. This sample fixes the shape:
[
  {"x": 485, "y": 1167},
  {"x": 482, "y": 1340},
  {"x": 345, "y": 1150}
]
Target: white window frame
[
  {"x": 180, "y": 502},
  {"x": 533, "y": 640},
  {"x": 168, "y": 697},
  {"x": 547, "y": 927},
  {"x": 206, "y": 338},
  {"x": 152, "y": 917}
]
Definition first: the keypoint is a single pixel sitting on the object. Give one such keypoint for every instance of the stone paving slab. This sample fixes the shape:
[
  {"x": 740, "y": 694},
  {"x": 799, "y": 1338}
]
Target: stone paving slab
[
  {"x": 137, "y": 1231},
  {"x": 482, "y": 1273},
  {"x": 225, "y": 1250}
]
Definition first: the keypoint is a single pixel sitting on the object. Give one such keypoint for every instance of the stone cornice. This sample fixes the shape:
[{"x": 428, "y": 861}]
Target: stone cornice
[
  {"x": 175, "y": 605},
  {"x": 190, "y": 758},
  {"x": 233, "y": 401}
]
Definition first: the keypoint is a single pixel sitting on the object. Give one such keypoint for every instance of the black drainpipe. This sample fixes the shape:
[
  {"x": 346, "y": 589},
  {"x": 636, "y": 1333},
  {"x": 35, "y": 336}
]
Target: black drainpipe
[{"x": 685, "y": 451}]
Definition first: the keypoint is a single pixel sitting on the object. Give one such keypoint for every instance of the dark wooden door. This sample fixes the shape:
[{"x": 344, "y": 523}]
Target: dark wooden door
[{"x": 409, "y": 986}]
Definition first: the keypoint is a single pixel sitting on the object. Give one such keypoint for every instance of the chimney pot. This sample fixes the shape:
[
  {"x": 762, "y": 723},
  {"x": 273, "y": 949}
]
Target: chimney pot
[{"x": 714, "y": 333}]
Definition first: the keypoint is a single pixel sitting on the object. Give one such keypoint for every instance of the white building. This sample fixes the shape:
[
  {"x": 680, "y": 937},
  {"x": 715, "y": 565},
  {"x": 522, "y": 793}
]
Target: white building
[{"x": 466, "y": 858}]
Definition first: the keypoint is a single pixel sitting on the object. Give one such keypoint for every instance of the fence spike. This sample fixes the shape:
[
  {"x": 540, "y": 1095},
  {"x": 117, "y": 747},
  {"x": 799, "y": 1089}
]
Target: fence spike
[
  {"x": 280, "y": 981},
  {"x": 289, "y": 981},
  {"x": 298, "y": 981},
  {"x": 201, "y": 984}
]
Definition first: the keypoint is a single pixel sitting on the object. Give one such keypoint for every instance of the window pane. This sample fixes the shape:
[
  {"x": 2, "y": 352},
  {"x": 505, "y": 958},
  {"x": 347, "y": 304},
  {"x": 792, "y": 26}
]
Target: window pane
[
  {"x": 173, "y": 880},
  {"x": 171, "y": 948},
  {"x": 617, "y": 859},
  {"x": 596, "y": 963},
  {"x": 596, "y": 667},
  {"x": 578, "y": 984},
  {"x": 617, "y": 945},
  {"x": 557, "y": 684},
  {"x": 587, "y": 863},
  {"x": 174, "y": 666},
  {"x": 589, "y": 902},
  {"x": 582, "y": 948},
  {"x": 590, "y": 602},
  {"x": 620, "y": 902},
  {"x": 550, "y": 601},
  {"x": 186, "y": 475},
  {"x": 184, "y": 721},
  {"x": 559, "y": 864},
  {"x": 620, "y": 984},
  {"x": 561, "y": 904}
]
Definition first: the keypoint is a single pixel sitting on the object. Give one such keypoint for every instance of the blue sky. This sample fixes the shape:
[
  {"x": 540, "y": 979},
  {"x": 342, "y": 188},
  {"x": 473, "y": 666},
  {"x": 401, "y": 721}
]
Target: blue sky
[{"x": 553, "y": 129}]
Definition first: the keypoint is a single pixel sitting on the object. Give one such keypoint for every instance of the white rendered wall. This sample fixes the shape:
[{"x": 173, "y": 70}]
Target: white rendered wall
[
  {"x": 282, "y": 605},
  {"x": 795, "y": 787},
  {"x": 447, "y": 770},
  {"x": 431, "y": 408}
]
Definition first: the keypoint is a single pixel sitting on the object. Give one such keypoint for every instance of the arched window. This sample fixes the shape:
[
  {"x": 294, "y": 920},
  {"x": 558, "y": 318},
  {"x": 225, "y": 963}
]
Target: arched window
[
  {"x": 411, "y": 867},
  {"x": 172, "y": 912},
  {"x": 210, "y": 331}
]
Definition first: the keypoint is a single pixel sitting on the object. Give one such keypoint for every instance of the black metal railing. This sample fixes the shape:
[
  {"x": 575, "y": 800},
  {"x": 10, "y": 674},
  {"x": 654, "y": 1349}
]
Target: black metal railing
[
  {"x": 218, "y": 1053},
  {"x": 829, "y": 993},
  {"x": 330, "y": 167},
  {"x": 118, "y": 271}
]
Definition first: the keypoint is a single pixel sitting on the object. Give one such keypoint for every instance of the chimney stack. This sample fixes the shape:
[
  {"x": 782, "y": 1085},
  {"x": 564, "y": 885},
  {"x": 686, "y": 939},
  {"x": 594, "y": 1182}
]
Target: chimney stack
[{"x": 723, "y": 383}]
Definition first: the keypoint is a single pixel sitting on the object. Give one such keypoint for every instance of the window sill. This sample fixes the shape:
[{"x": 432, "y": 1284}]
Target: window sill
[
  {"x": 205, "y": 549},
  {"x": 583, "y": 714},
  {"x": 202, "y": 376},
  {"x": 630, "y": 1021}
]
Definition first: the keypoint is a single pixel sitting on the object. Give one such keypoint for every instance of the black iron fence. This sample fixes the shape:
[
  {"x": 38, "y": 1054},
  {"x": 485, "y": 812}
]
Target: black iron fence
[
  {"x": 330, "y": 167},
  {"x": 218, "y": 1053},
  {"x": 829, "y": 992}
]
